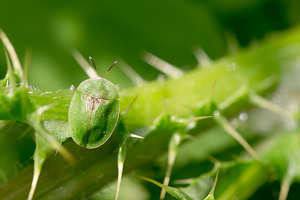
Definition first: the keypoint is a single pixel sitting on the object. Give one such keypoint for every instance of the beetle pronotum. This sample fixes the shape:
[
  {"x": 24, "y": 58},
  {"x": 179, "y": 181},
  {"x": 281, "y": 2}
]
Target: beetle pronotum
[{"x": 94, "y": 111}]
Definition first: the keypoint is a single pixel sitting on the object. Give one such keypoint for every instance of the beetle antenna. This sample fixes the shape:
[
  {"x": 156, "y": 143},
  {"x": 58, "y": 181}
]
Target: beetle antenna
[
  {"x": 91, "y": 59},
  {"x": 110, "y": 68}
]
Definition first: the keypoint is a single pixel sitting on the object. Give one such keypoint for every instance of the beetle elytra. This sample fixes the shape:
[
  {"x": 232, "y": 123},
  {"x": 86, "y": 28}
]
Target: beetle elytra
[{"x": 94, "y": 111}]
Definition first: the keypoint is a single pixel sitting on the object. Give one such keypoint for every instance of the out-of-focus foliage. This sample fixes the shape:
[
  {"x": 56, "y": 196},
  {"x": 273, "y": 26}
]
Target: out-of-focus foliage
[{"x": 111, "y": 30}]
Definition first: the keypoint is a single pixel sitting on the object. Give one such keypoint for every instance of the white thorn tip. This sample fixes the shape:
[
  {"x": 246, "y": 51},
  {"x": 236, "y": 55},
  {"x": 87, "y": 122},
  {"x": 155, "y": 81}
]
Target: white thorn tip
[
  {"x": 222, "y": 121},
  {"x": 163, "y": 66},
  {"x": 133, "y": 75},
  {"x": 89, "y": 70},
  {"x": 193, "y": 119},
  {"x": 136, "y": 136},
  {"x": 202, "y": 57},
  {"x": 173, "y": 144},
  {"x": 58, "y": 147},
  {"x": 13, "y": 55},
  {"x": 34, "y": 183},
  {"x": 212, "y": 191},
  {"x": 120, "y": 173},
  {"x": 268, "y": 105}
]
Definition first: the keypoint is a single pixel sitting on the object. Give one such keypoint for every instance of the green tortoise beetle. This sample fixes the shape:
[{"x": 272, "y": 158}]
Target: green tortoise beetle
[{"x": 94, "y": 111}]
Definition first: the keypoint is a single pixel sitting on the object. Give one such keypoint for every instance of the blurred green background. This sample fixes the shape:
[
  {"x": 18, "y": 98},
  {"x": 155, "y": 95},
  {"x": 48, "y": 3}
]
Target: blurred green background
[{"x": 125, "y": 30}]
